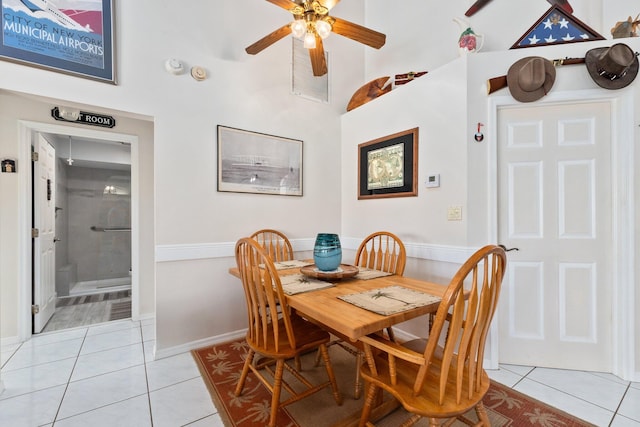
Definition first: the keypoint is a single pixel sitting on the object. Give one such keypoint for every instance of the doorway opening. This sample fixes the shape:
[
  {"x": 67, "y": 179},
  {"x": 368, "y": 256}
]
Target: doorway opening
[
  {"x": 31, "y": 294},
  {"x": 92, "y": 237}
]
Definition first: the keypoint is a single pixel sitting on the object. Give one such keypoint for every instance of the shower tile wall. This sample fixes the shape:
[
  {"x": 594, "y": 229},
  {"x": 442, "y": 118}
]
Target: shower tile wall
[{"x": 98, "y": 255}]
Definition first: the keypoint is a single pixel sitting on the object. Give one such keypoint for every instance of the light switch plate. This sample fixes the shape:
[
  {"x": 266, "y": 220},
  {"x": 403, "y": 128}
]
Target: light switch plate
[{"x": 454, "y": 213}]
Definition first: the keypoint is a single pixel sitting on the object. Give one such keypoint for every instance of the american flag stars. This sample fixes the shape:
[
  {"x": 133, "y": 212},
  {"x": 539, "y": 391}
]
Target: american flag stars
[{"x": 556, "y": 27}]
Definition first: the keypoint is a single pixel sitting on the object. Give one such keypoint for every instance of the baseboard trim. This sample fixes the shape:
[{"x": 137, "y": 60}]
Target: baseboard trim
[
  {"x": 7, "y": 341},
  {"x": 186, "y": 347}
]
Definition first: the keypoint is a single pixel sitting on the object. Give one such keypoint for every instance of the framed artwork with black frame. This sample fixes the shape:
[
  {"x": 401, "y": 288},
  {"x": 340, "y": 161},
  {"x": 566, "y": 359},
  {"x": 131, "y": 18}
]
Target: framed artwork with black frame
[
  {"x": 252, "y": 162},
  {"x": 388, "y": 166},
  {"x": 71, "y": 37}
]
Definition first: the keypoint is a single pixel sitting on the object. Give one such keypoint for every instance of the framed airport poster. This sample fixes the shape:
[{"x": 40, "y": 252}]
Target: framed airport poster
[{"x": 69, "y": 36}]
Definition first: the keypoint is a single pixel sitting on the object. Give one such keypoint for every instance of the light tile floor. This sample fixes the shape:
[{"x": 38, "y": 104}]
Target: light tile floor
[
  {"x": 104, "y": 375},
  {"x": 101, "y": 375},
  {"x": 601, "y": 399}
]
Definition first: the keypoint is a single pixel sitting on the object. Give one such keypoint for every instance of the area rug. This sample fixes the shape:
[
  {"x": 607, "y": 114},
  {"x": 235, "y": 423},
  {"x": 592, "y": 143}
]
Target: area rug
[{"x": 220, "y": 367}]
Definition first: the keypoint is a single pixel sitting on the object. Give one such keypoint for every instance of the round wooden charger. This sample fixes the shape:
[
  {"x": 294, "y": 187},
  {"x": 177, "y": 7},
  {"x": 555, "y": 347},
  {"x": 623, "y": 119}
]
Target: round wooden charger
[{"x": 345, "y": 272}]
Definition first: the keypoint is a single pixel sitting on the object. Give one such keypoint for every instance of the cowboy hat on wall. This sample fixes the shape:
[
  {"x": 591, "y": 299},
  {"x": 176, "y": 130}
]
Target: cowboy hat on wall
[
  {"x": 612, "y": 67},
  {"x": 531, "y": 78}
]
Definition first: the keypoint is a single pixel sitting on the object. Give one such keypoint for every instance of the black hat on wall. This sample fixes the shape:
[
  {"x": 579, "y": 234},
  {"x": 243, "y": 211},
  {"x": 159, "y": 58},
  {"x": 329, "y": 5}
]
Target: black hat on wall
[{"x": 612, "y": 67}]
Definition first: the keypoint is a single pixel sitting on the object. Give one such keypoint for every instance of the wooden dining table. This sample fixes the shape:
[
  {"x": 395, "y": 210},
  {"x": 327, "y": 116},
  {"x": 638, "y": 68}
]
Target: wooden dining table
[
  {"x": 347, "y": 320},
  {"x": 351, "y": 322}
]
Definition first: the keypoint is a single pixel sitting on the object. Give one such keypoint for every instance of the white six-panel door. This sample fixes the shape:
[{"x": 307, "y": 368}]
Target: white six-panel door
[{"x": 554, "y": 205}]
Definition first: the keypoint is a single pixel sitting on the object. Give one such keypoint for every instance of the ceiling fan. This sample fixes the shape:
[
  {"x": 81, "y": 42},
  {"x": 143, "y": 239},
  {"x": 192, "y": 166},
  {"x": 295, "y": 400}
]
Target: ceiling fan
[{"x": 312, "y": 23}]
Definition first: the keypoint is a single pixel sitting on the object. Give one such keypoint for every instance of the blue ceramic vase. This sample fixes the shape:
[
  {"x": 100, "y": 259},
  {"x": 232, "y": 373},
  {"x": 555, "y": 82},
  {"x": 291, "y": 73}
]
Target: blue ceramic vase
[{"x": 327, "y": 252}]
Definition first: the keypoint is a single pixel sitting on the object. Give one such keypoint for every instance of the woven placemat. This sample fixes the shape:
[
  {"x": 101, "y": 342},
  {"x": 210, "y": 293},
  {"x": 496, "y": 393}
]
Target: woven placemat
[
  {"x": 390, "y": 300},
  {"x": 298, "y": 283},
  {"x": 286, "y": 265},
  {"x": 368, "y": 273}
]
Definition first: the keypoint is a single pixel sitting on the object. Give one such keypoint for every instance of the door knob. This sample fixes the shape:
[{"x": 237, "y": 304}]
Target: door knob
[
  {"x": 508, "y": 250},
  {"x": 55, "y": 239}
]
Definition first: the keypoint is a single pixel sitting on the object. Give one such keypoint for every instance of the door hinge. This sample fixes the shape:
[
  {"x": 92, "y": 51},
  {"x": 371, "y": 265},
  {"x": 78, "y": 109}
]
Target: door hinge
[
  {"x": 35, "y": 233},
  {"x": 34, "y": 156},
  {"x": 35, "y": 309}
]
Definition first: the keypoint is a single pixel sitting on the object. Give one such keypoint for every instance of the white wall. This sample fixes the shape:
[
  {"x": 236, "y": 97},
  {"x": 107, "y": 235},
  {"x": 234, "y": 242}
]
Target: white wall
[{"x": 436, "y": 105}]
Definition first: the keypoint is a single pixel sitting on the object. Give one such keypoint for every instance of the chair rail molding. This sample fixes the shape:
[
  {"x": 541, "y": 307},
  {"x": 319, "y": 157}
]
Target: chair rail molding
[{"x": 195, "y": 251}]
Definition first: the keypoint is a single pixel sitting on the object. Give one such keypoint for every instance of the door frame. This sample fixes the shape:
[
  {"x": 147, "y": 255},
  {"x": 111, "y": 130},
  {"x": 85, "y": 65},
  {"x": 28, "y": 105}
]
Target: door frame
[
  {"x": 26, "y": 131},
  {"x": 622, "y": 182}
]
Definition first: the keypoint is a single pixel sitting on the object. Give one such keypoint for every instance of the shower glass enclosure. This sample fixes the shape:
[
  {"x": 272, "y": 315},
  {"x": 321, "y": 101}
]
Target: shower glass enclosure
[{"x": 93, "y": 225}]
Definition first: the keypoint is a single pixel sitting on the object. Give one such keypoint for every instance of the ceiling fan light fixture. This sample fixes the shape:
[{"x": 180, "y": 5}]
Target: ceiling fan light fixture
[
  {"x": 323, "y": 28},
  {"x": 310, "y": 40},
  {"x": 319, "y": 24},
  {"x": 298, "y": 28}
]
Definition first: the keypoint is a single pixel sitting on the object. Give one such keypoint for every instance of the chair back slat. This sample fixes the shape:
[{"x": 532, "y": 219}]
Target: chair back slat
[
  {"x": 382, "y": 251},
  {"x": 461, "y": 326},
  {"x": 264, "y": 295},
  {"x": 275, "y": 243}
]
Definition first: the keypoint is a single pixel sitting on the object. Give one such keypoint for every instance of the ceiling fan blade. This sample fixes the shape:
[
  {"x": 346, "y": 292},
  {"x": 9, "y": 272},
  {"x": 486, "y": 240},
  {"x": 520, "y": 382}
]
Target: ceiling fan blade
[
  {"x": 329, "y": 4},
  {"x": 269, "y": 39},
  {"x": 318, "y": 60},
  {"x": 358, "y": 33},
  {"x": 285, "y": 4}
]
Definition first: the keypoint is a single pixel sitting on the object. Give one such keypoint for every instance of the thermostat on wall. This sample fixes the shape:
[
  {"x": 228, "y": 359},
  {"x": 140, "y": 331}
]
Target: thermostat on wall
[{"x": 433, "y": 181}]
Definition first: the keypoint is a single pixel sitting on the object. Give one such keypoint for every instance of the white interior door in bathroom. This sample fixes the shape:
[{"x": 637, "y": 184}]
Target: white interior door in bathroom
[{"x": 44, "y": 263}]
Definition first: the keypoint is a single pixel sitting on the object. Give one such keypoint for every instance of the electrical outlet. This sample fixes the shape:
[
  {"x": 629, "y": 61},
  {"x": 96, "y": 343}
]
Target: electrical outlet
[{"x": 454, "y": 213}]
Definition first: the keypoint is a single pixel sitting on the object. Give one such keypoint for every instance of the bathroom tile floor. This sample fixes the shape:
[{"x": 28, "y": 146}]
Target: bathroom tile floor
[
  {"x": 105, "y": 375},
  {"x": 71, "y": 316}
]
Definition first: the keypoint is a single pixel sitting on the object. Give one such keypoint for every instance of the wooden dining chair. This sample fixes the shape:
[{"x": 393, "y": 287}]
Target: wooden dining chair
[
  {"x": 279, "y": 249},
  {"x": 382, "y": 251},
  {"x": 442, "y": 376},
  {"x": 276, "y": 243},
  {"x": 277, "y": 335}
]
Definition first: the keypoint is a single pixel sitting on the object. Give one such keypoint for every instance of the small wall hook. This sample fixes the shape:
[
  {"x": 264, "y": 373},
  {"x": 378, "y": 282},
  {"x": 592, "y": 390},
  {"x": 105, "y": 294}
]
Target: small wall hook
[{"x": 479, "y": 136}]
